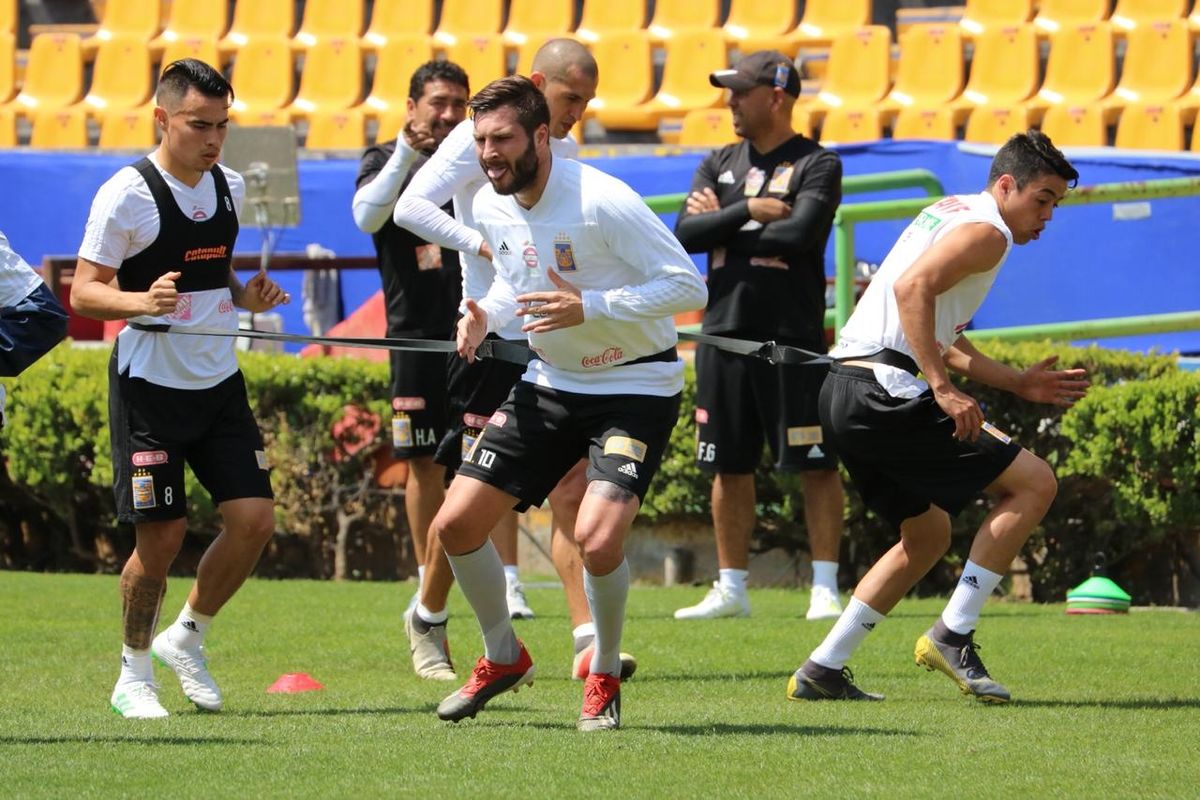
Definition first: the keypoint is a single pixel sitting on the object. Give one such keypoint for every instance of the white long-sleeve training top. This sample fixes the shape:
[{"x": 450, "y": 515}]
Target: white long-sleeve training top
[{"x": 599, "y": 236}]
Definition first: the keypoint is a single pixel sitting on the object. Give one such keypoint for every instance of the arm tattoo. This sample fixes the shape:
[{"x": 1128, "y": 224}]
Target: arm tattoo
[
  {"x": 610, "y": 491},
  {"x": 141, "y": 598}
]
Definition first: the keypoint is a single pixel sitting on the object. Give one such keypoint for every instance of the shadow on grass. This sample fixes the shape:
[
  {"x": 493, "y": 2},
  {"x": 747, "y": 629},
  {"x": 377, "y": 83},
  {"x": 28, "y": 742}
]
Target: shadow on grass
[
  {"x": 328, "y": 712},
  {"x": 726, "y": 729},
  {"x": 1148, "y": 704},
  {"x": 757, "y": 675},
  {"x": 168, "y": 740}
]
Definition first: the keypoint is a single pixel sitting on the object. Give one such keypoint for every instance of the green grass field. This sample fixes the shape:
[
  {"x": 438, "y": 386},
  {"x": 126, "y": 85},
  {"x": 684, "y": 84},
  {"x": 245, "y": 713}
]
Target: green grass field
[{"x": 1104, "y": 707}]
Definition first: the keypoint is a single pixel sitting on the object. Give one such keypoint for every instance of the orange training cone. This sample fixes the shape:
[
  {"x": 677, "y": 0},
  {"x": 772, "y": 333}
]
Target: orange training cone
[{"x": 294, "y": 682}]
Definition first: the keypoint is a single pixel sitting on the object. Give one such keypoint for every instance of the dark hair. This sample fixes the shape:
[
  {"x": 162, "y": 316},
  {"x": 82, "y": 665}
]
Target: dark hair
[
  {"x": 1029, "y": 155},
  {"x": 179, "y": 76},
  {"x": 518, "y": 93},
  {"x": 436, "y": 71}
]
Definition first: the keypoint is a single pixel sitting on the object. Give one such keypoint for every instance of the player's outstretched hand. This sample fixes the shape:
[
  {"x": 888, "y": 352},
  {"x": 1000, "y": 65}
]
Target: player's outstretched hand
[
  {"x": 162, "y": 295},
  {"x": 472, "y": 328},
  {"x": 550, "y": 311},
  {"x": 1063, "y": 387},
  {"x": 262, "y": 294},
  {"x": 419, "y": 137},
  {"x": 962, "y": 408}
]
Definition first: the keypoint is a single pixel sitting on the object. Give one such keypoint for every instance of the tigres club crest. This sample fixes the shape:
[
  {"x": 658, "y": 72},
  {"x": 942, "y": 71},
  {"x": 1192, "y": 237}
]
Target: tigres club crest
[{"x": 564, "y": 256}]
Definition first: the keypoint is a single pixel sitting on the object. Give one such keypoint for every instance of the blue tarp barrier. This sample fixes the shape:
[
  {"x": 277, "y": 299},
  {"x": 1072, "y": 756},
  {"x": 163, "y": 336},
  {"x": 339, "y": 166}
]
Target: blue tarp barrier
[{"x": 1088, "y": 264}]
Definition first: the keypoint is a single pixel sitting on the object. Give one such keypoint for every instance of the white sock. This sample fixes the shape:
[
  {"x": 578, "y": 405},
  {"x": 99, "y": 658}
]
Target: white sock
[
  {"x": 135, "y": 665},
  {"x": 420, "y": 578},
  {"x": 848, "y": 632},
  {"x": 825, "y": 574},
  {"x": 733, "y": 580},
  {"x": 432, "y": 617},
  {"x": 583, "y": 635},
  {"x": 480, "y": 575},
  {"x": 606, "y": 595},
  {"x": 974, "y": 588},
  {"x": 510, "y": 574},
  {"x": 187, "y": 631}
]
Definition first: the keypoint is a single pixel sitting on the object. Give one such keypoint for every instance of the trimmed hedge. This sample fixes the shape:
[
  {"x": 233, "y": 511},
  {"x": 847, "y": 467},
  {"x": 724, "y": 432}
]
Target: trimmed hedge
[{"x": 1126, "y": 459}]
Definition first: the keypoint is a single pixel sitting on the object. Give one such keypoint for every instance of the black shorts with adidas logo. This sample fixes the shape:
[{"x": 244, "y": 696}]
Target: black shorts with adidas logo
[
  {"x": 538, "y": 434},
  {"x": 901, "y": 452}
]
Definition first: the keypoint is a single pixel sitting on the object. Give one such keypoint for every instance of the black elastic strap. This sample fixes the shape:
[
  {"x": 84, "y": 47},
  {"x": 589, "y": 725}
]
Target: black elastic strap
[{"x": 893, "y": 358}]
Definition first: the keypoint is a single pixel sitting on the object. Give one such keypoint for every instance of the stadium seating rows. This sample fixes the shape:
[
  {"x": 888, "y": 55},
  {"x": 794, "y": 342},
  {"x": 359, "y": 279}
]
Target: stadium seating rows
[{"x": 1118, "y": 72}]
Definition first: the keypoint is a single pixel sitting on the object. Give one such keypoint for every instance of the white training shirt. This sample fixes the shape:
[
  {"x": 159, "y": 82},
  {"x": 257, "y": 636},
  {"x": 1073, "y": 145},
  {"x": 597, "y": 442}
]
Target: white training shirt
[
  {"x": 598, "y": 235},
  {"x": 17, "y": 278},
  {"x": 453, "y": 173},
  {"x": 875, "y": 323},
  {"x": 123, "y": 222}
]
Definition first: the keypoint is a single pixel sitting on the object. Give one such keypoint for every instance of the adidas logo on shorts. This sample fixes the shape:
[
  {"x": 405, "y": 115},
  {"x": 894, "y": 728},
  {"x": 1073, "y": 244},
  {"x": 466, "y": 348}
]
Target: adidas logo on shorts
[
  {"x": 629, "y": 469},
  {"x": 816, "y": 452}
]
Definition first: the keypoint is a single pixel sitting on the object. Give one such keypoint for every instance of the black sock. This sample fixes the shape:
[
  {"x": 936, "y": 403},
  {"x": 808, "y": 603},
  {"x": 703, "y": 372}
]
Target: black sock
[{"x": 939, "y": 632}]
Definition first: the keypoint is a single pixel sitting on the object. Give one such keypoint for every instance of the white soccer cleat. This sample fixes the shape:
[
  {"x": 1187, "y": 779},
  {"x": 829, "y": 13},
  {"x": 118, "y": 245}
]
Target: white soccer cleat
[
  {"x": 191, "y": 667},
  {"x": 824, "y": 604},
  {"x": 518, "y": 607},
  {"x": 719, "y": 602},
  {"x": 411, "y": 608},
  {"x": 137, "y": 700}
]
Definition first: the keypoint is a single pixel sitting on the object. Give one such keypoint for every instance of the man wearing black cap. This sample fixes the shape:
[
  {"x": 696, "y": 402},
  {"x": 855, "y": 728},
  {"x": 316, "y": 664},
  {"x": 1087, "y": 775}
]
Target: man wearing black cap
[{"x": 762, "y": 209}]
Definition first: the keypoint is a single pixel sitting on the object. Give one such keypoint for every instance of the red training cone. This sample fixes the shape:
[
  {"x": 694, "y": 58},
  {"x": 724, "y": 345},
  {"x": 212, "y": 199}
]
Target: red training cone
[{"x": 294, "y": 682}]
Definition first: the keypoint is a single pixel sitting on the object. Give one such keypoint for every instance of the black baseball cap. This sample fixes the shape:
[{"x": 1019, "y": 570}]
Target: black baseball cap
[{"x": 761, "y": 68}]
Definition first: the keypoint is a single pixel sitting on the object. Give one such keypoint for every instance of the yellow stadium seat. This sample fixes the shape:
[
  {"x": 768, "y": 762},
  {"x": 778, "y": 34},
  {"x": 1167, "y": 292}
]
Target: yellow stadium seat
[
  {"x": 1129, "y": 14},
  {"x": 857, "y": 76},
  {"x": 674, "y": 17},
  {"x": 690, "y": 57},
  {"x": 991, "y": 124},
  {"x": 262, "y": 75},
  {"x": 259, "y": 19},
  {"x": 823, "y": 22},
  {"x": 1158, "y": 65},
  {"x": 8, "y": 66},
  {"x": 59, "y": 128},
  {"x": 537, "y": 19},
  {"x": 8, "y": 16},
  {"x": 1195, "y": 139},
  {"x": 1189, "y": 103},
  {"x": 801, "y": 122},
  {"x": 752, "y": 22},
  {"x": 980, "y": 15},
  {"x": 931, "y": 68},
  {"x": 136, "y": 19},
  {"x": 332, "y": 77},
  {"x": 481, "y": 56},
  {"x": 8, "y": 127},
  {"x": 335, "y": 130},
  {"x": 192, "y": 19},
  {"x": 390, "y": 124},
  {"x": 202, "y": 49},
  {"x": 121, "y": 76},
  {"x": 392, "y": 19},
  {"x": 1193, "y": 21},
  {"x": 465, "y": 19},
  {"x": 1150, "y": 127},
  {"x": 261, "y": 117},
  {"x": 851, "y": 125},
  {"x": 1080, "y": 68},
  {"x": 132, "y": 128},
  {"x": 395, "y": 62},
  {"x": 602, "y": 17},
  {"x": 707, "y": 127},
  {"x": 1004, "y": 69},
  {"x": 1053, "y": 15},
  {"x": 329, "y": 19},
  {"x": 924, "y": 123},
  {"x": 53, "y": 73},
  {"x": 626, "y": 71},
  {"x": 1075, "y": 126}
]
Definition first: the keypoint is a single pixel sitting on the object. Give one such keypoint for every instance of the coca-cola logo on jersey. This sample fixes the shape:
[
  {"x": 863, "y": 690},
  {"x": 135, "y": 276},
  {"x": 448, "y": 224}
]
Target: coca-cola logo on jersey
[{"x": 610, "y": 356}]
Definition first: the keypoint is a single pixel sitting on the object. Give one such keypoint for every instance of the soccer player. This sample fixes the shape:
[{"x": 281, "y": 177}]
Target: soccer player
[
  {"x": 919, "y": 449},
  {"x": 32, "y": 321},
  {"x": 566, "y": 73},
  {"x": 164, "y": 228},
  {"x": 422, "y": 286},
  {"x": 762, "y": 209},
  {"x": 596, "y": 278}
]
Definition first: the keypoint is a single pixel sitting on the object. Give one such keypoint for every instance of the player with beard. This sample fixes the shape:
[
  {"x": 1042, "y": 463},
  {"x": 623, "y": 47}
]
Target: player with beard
[
  {"x": 566, "y": 74},
  {"x": 422, "y": 286},
  {"x": 595, "y": 278}
]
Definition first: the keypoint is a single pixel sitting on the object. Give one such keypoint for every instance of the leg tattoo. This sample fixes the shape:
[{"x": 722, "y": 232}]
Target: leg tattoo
[
  {"x": 141, "y": 598},
  {"x": 610, "y": 491}
]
